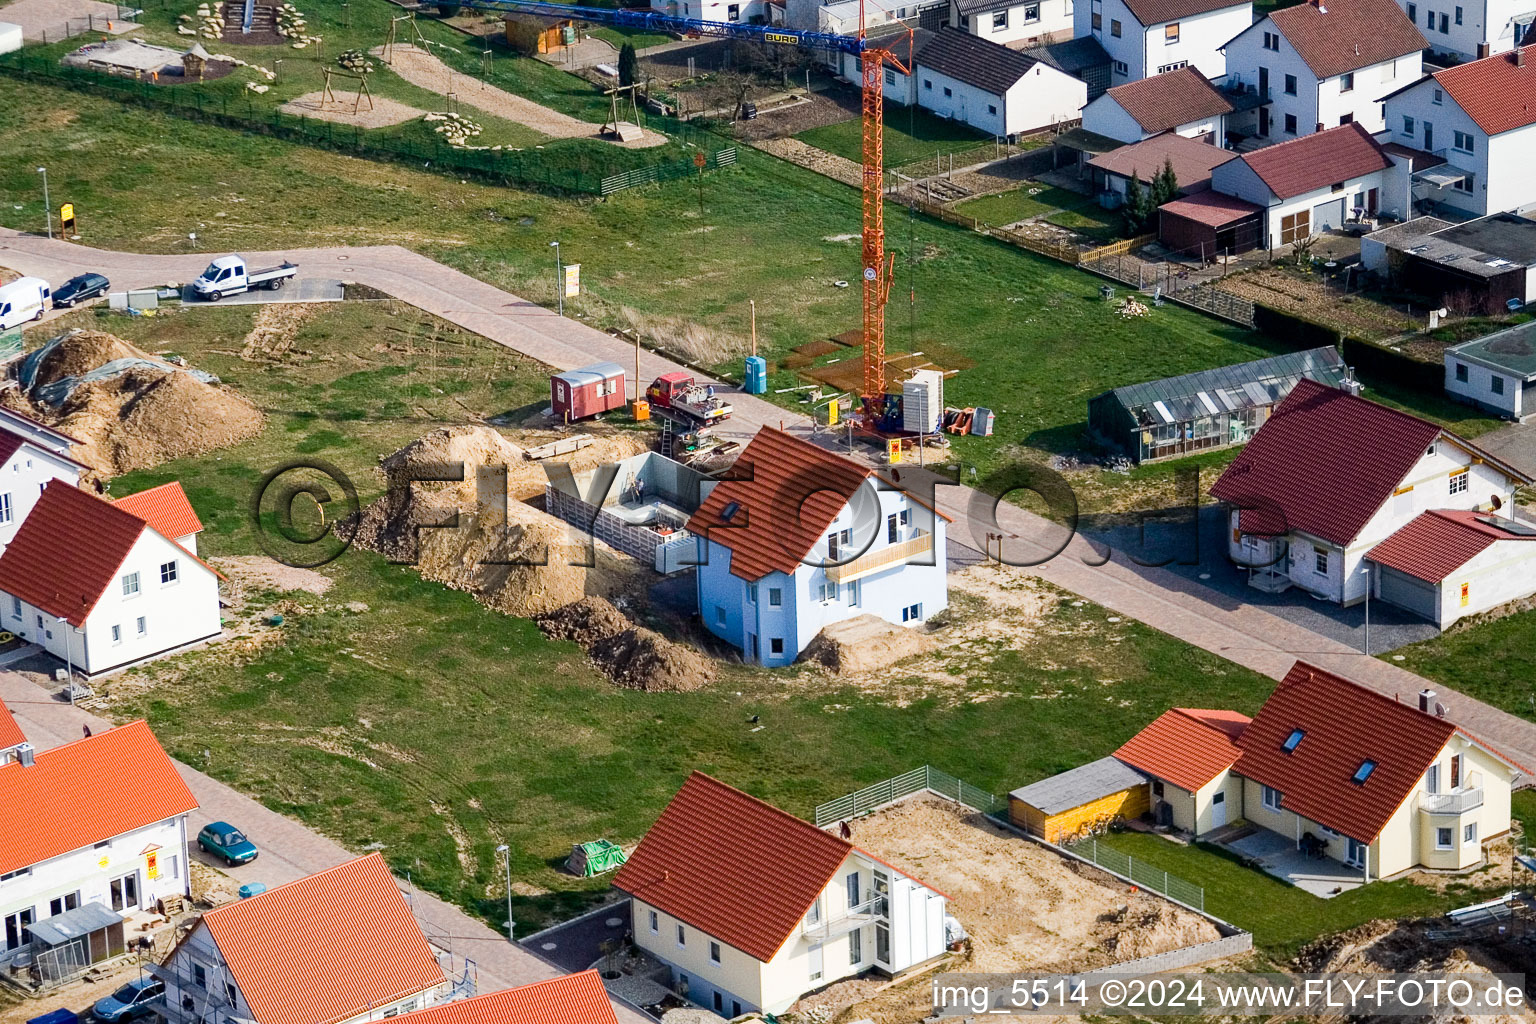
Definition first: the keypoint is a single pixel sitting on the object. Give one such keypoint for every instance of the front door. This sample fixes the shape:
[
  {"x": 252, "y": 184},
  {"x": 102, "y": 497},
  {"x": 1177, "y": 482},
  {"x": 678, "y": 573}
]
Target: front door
[
  {"x": 1218, "y": 809},
  {"x": 1264, "y": 122},
  {"x": 1429, "y": 137},
  {"x": 1356, "y": 857},
  {"x": 883, "y": 943}
]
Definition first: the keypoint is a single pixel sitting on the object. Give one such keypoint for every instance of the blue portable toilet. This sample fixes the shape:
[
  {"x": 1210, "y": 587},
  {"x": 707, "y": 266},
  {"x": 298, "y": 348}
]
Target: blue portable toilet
[
  {"x": 757, "y": 375},
  {"x": 250, "y": 889}
]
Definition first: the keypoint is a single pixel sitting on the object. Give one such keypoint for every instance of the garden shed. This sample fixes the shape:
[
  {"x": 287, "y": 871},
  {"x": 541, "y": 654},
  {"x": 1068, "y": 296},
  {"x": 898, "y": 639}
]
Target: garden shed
[
  {"x": 1055, "y": 809},
  {"x": 1196, "y": 412},
  {"x": 577, "y": 394}
]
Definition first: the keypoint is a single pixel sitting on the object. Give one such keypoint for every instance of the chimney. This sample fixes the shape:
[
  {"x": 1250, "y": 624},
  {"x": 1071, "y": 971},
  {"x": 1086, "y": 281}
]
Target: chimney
[
  {"x": 26, "y": 755},
  {"x": 1426, "y": 700},
  {"x": 1519, "y": 56}
]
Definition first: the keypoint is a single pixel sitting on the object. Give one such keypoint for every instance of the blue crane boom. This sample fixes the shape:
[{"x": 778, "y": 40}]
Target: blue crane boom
[{"x": 656, "y": 21}]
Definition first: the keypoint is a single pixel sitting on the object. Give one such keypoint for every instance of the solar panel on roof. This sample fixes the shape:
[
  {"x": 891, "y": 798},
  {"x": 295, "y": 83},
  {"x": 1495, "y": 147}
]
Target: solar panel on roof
[{"x": 1519, "y": 529}]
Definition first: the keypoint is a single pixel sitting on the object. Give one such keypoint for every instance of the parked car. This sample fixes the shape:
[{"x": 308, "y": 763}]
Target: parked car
[
  {"x": 130, "y": 1002},
  {"x": 26, "y": 298},
  {"x": 80, "y": 288},
  {"x": 221, "y": 839}
]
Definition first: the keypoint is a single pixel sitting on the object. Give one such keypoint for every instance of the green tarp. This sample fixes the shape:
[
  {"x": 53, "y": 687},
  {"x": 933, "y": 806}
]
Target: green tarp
[{"x": 594, "y": 858}]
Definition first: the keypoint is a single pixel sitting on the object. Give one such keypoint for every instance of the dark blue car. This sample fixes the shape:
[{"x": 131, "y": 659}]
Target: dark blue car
[
  {"x": 131, "y": 1001},
  {"x": 223, "y": 840}
]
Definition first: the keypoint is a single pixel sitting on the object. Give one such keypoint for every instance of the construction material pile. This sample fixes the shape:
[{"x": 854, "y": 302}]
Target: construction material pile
[
  {"x": 1131, "y": 308},
  {"x": 354, "y": 60},
  {"x": 129, "y": 409},
  {"x": 511, "y": 556},
  {"x": 863, "y": 643},
  {"x": 630, "y": 655}
]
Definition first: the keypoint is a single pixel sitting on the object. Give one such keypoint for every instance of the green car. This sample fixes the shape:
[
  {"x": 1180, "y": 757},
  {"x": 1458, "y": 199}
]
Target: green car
[{"x": 221, "y": 839}]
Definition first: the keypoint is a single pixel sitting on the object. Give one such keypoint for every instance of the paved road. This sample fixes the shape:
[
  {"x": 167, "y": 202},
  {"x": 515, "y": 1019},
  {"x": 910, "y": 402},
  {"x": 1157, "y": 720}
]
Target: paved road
[
  {"x": 1225, "y": 625},
  {"x": 290, "y": 851}
]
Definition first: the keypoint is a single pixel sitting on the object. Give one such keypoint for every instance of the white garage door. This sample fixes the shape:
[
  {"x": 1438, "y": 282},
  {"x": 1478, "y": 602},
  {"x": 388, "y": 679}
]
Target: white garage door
[
  {"x": 1328, "y": 215},
  {"x": 1413, "y": 594}
]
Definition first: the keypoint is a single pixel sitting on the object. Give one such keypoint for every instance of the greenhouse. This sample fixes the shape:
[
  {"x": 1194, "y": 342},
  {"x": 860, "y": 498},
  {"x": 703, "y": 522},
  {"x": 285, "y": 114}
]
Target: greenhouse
[{"x": 1197, "y": 412}]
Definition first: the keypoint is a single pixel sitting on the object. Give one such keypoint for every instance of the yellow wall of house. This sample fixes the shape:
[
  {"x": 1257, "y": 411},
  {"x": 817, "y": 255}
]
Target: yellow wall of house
[
  {"x": 1232, "y": 786},
  {"x": 1127, "y": 803},
  {"x": 737, "y": 972}
]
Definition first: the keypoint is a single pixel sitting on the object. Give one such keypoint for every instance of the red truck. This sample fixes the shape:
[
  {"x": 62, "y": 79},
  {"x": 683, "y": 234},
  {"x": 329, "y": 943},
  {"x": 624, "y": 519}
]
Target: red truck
[{"x": 679, "y": 395}]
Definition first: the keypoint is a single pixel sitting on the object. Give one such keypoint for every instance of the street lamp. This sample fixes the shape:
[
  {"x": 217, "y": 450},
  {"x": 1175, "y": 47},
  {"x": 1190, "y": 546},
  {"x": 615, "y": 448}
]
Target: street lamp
[
  {"x": 69, "y": 665},
  {"x": 277, "y": 71},
  {"x": 506, "y": 860},
  {"x": 47, "y": 203},
  {"x": 559, "y": 285}
]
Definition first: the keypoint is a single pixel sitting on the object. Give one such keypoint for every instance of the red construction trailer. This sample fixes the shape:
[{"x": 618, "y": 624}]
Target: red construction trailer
[{"x": 577, "y": 394}]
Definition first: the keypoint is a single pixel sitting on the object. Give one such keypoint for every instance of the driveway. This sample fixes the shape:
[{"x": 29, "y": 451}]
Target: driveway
[
  {"x": 290, "y": 851},
  {"x": 578, "y": 944},
  {"x": 1230, "y": 626}
]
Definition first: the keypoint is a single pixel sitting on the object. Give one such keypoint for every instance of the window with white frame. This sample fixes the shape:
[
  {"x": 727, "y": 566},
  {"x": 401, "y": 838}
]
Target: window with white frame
[
  {"x": 117, "y": 634},
  {"x": 1000, "y": 20},
  {"x": 1469, "y": 830},
  {"x": 131, "y": 585},
  {"x": 829, "y": 592},
  {"x": 15, "y": 607},
  {"x": 1437, "y": 97},
  {"x": 655, "y": 924},
  {"x": 5, "y": 507},
  {"x": 714, "y": 953},
  {"x": 855, "y": 947},
  {"x": 1347, "y": 82},
  {"x": 1459, "y": 481},
  {"x": 775, "y": 597},
  {"x": 1271, "y": 798},
  {"x": 1496, "y": 384},
  {"x": 1444, "y": 838},
  {"x": 143, "y": 626},
  {"x": 1177, "y": 65},
  {"x": 682, "y": 936},
  {"x": 168, "y": 572},
  {"x": 1031, "y": 13},
  {"x": 1122, "y": 68},
  {"x": 1171, "y": 33},
  {"x": 1272, "y": 41},
  {"x": 752, "y": 593},
  {"x": 1320, "y": 560},
  {"x": 912, "y": 613}
]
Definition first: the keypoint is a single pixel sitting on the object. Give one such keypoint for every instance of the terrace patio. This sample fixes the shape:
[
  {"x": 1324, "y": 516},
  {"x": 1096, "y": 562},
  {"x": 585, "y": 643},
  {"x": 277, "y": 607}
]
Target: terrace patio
[{"x": 1278, "y": 856}]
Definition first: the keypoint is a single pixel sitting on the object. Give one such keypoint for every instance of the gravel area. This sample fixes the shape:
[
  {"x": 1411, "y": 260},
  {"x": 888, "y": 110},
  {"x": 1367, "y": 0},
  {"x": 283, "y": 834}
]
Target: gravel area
[
  {"x": 818, "y": 160},
  {"x": 425, "y": 70},
  {"x": 39, "y": 18},
  {"x": 385, "y": 111}
]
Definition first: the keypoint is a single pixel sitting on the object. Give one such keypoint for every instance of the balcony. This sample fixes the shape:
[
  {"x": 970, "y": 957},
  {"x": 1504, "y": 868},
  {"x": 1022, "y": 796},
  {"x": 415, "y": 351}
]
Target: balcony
[
  {"x": 1459, "y": 802},
  {"x": 856, "y": 917},
  {"x": 881, "y": 558}
]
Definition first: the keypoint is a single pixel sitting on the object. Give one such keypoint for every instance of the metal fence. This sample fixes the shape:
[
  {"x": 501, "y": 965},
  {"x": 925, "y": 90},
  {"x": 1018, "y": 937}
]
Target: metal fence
[
  {"x": 554, "y": 170},
  {"x": 926, "y": 778},
  {"x": 666, "y": 172},
  {"x": 1145, "y": 875}
]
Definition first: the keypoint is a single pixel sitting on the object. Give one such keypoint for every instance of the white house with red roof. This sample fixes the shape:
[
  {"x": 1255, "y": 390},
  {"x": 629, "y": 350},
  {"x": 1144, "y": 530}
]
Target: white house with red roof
[
  {"x": 797, "y": 538},
  {"x": 1183, "y": 102},
  {"x": 1475, "y": 125},
  {"x": 101, "y": 587},
  {"x": 336, "y": 947},
  {"x": 29, "y": 458},
  {"x": 569, "y": 999},
  {"x": 1472, "y": 30},
  {"x": 1328, "y": 770},
  {"x": 1330, "y": 476},
  {"x": 1447, "y": 564},
  {"x": 1153, "y": 37},
  {"x": 108, "y": 839},
  {"x": 752, "y": 908}
]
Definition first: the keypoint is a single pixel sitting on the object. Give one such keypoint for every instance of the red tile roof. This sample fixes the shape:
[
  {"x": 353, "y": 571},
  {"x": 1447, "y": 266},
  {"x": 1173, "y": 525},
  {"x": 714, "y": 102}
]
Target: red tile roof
[
  {"x": 736, "y": 868},
  {"x": 1346, "y": 35},
  {"x": 1186, "y": 746},
  {"x": 38, "y": 424},
  {"x": 68, "y": 550},
  {"x": 1167, "y": 101},
  {"x": 1192, "y": 159},
  {"x": 1324, "y": 462},
  {"x": 11, "y": 442},
  {"x": 1436, "y": 543},
  {"x": 325, "y": 948},
  {"x": 787, "y": 492},
  {"x": 87, "y": 791},
  {"x": 10, "y": 731},
  {"x": 1316, "y": 161},
  {"x": 1155, "y": 12},
  {"x": 1214, "y": 209},
  {"x": 569, "y": 999},
  {"x": 1497, "y": 93},
  {"x": 165, "y": 508},
  {"x": 1343, "y": 725}
]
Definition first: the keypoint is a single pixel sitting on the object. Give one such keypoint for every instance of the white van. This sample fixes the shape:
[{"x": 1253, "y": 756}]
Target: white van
[{"x": 27, "y": 298}]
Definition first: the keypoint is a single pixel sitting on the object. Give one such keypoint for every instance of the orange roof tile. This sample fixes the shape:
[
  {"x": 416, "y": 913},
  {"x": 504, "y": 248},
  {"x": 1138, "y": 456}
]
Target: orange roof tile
[
  {"x": 165, "y": 508},
  {"x": 569, "y": 999},
  {"x": 733, "y": 866},
  {"x": 10, "y": 732},
  {"x": 325, "y": 948},
  {"x": 1186, "y": 746},
  {"x": 1347, "y": 35},
  {"x": 786, "y": 492},
  {"x": 1497, "y": 92},
  {"x": 93, "y": 789}
]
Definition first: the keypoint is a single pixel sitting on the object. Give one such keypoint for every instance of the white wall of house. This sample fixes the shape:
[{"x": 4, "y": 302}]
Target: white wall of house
[
  {"x": 174, "y": 613},
  {"x": 33, "y": 431},
  {"x": 1503, "y": 572},
  {"x": 714, "y": 10},
  {"x": 1236, "y": 178},
  {"x": 1140, "y": 51},
  {"x": 1108, "y": 118},
  {"x": 906, "y": 593},
  {"x": 1020, "y": 22},
  {"x": 116, "y": 873},
  {"x": 21, "y": 483},
  {"x": 719, "y": 976},
  {"x": 1499, "y": 165},
  {"x": 1473, "y": 381},
  {"x": 1043, "y": 96},
  {"x": 1469, "y": 25}
]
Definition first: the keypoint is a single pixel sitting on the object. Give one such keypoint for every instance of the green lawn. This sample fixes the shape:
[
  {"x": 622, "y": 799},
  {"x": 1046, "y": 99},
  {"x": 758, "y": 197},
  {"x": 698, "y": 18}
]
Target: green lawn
[
  {"x": 1031, "y": 199},
  {"x": 911, "y": 134},
  {"x": 1491, "y": 661},
  {"x": 1284, "y": 918},
  {"x": 439, "y": 729},
  {"x": 638, "y": 38}
]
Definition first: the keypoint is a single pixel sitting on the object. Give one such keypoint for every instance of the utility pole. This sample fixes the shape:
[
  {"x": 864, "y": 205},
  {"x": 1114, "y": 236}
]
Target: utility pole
[
  {"x": 47, "y": 203},
  {"x": 506, "y": 860}
]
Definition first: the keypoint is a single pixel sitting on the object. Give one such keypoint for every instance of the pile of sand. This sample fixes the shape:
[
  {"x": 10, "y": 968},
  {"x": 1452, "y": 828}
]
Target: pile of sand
[
  {"x": 510, "y": 555},
  {"x": 864, "y": 643},
  {"x": 632, "y": 656},
  {"x": 139, "y": 418}
]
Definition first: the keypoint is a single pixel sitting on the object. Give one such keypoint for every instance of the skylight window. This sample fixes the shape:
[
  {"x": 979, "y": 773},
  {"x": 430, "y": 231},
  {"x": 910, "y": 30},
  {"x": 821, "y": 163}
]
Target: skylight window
[
  {"x": 1292, "y": 740},
  {"x": 1364, "y": 771}
]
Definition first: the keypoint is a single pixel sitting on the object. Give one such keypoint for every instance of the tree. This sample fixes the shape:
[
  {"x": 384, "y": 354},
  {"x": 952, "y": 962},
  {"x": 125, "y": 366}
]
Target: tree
[
  {"x": 1138, "y": 204},
  {"x": 1165, "y": 187},
  {"x": 629, "y": 65},
  {"x": 448, "y": 10}
]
